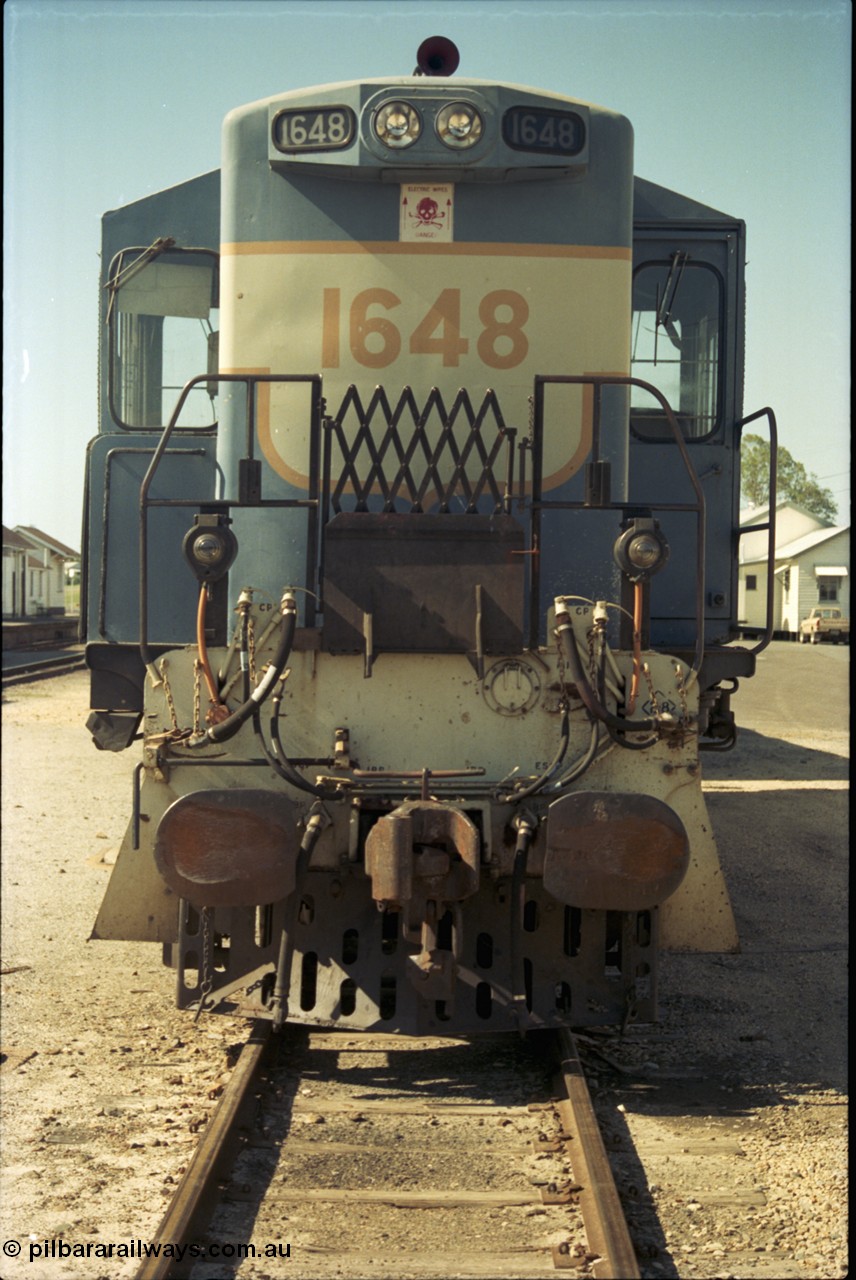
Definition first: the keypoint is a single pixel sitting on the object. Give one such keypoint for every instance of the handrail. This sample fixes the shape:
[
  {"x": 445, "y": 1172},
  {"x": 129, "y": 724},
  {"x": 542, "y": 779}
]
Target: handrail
[
  {"x": 538, "y": 503},
  {"x": 769, "y": 524},
  {"x": 598, "y": 381},
  {"x": 250, "y": 380}
]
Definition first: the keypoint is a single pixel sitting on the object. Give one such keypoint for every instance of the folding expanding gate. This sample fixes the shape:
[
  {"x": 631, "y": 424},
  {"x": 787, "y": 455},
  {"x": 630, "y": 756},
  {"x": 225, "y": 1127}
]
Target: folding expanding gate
[{"x": 419, "y": 551}]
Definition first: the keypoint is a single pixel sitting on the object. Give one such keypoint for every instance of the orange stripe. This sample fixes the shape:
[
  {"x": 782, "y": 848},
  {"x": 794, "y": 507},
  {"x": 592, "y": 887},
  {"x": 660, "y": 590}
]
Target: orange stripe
[{"x": 465, "y": 249}]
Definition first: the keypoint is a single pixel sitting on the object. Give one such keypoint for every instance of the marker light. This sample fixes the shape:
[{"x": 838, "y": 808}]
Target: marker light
[
  {"x": 397, "y": 124},
  {"x": 459, "y": 125},
  {"x": 641, "y": 550},
  {"x": 210, "y": 548},
  {"x": 644, "y": 551}
]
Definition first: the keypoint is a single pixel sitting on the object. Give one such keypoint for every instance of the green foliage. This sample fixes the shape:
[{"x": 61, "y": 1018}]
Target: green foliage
[{"x": 793, "y": 482}]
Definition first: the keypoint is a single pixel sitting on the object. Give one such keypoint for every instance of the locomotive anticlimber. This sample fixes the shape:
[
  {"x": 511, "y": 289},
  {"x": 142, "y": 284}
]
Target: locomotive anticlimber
[{"x": 410, "y": 560}]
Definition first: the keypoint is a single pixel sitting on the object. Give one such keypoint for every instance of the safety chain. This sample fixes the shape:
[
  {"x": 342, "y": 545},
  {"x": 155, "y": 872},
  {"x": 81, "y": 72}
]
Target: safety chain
[
  {"x": 174, "y": 734},
  {"x": 207, "y": 963},
  {"x": 560, "y": 665},
  {"x": 593, "y": 671},
  {"x": 682, "y": 693},
  {"x": 629, "y": 1011},
  {"x": 251, "y": 645},
  {"x": 170, "y": 701},
  {"x": 655, "y": 707},
  {"x": 197, "y": 697}
]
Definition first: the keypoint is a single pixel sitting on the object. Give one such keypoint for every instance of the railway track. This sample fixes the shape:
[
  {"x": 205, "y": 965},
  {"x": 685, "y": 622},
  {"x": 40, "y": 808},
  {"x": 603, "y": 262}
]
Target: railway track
[
  {"x": 52, "y": 664},
  {"x": 374, "y": 1156}
]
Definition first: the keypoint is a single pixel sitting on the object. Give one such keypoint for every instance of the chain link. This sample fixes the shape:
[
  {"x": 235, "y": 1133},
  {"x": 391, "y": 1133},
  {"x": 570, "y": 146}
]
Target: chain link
[
  {"x": 655, "y": 706},
  {"x": 682, "y": 694},
  {"x": 170, "y": 701},
  {"x": 206, "y": 975},
  {"x": 197, "y": 697},
  {"x": 560, "y": 666},
  {"x": 251, "y": 645},
  {"x": 594, "y": 635}
]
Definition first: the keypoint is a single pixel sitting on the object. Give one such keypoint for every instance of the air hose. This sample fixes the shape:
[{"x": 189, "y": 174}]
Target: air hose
[
  {"x": 228, "y": 728},
  {"x": 568, "y": 648},
  {"x": 318, "y": 820}
]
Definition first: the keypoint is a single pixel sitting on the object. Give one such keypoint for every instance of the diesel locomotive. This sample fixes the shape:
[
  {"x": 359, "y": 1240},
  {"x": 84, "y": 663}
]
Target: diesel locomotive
[{"x": 411, "y": 532}]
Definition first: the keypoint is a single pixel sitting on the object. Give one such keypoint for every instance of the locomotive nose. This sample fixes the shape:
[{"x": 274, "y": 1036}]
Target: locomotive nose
[{"x": 437, "y": 56}]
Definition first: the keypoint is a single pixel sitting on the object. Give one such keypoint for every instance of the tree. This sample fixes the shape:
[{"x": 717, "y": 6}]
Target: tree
[{"x": 793, "y": 482}]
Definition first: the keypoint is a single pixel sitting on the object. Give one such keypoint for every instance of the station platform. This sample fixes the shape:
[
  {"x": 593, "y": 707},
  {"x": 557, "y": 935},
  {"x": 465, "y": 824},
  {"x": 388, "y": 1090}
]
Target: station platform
[{"x": 43, "y": 631}]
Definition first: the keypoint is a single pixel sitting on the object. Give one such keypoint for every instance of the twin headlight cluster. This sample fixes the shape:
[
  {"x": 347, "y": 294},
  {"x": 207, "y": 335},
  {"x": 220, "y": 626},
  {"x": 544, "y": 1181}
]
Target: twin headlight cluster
[{"x": 398, "y": 124}]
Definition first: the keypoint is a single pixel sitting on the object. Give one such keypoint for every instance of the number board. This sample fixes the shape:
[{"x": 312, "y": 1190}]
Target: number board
[
  {"x": 425, "y": 316},
  {"x": 322, "y": 129},
  {"x": 554, "y": 133}
]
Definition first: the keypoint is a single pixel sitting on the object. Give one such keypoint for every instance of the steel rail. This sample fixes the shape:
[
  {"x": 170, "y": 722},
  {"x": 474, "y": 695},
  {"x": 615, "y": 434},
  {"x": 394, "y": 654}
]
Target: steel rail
[
  {"x": 603, "y": 1217},
  {"x": 40, "y": 668},
  {"x": 187, "y": 1211}
]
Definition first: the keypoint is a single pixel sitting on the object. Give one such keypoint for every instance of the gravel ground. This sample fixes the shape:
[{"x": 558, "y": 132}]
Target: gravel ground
[
  {"x": 105, "y": 1085},
  {"x": 446, "y": 1120},
  {"x": 751, "y": 1048}
]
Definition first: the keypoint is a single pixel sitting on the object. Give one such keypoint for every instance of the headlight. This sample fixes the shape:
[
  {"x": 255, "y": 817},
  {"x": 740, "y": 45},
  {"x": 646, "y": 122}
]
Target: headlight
[
  {"x": 397, "y": 124},
  {"x": 459, "y": 125}
]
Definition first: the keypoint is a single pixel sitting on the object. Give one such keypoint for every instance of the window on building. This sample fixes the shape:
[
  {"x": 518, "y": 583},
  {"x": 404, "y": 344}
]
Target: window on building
[
  {"x": 751, "y": 582},
  {"x": 827, "y": 589},
  {"x": 786, "y": 580}
]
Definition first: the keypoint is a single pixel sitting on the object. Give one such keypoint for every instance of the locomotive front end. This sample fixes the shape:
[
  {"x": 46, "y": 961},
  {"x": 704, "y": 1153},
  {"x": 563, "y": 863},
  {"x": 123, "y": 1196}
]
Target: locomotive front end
[{"x": 418, "y": 767}]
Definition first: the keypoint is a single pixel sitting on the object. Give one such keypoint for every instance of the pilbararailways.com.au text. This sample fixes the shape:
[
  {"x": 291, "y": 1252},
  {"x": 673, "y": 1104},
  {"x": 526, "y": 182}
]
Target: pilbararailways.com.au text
[{"x": 59, "y": 1248}]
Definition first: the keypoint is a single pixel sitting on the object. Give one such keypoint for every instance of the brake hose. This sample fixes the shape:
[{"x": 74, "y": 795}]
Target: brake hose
[
  {"x": 568, "y": 648},
  {"x": 514, "y": 797},
  {"x": 228, "y": 728},
  {"x": 579, "y": 767},
  {"x": 281, "y": 764},
  {"x": 318, "y": 820}
]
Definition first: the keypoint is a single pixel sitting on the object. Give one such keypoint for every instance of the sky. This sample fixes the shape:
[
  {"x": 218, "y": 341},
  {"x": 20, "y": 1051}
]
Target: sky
[{"x": 741, "y": 104}]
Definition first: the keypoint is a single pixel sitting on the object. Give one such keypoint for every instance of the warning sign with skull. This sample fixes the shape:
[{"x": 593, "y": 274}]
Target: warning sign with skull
[{"x": 426, "y": 212}]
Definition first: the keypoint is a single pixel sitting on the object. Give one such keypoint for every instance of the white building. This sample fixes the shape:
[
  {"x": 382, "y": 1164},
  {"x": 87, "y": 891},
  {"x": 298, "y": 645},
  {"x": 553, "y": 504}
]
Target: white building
[
  {"x": 34, "y": 572},
  {"x": 812, "y": 567}
]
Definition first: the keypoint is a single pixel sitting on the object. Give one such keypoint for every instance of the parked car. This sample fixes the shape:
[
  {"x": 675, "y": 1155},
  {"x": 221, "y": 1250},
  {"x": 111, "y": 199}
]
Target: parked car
[{"x": 825, "y": 623}]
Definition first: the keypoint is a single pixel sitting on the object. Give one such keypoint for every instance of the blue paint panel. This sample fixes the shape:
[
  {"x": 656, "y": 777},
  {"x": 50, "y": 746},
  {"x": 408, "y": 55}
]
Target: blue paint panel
[
  {"x": 667, "y": 222},
  {"x": 117, "y": 459},
  {"x": 116, "y": 466},
  {"x": 555, "y": 205}
]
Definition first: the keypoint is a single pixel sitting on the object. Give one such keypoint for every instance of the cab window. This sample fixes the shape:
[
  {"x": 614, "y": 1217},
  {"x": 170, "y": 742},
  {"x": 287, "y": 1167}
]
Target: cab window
[
  {"x": 676, "y": 345},
  {"x": 162, "y": 321}
]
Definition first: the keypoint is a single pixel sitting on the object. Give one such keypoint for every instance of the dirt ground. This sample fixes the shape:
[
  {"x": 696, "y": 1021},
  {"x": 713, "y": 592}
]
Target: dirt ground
[{"x": 105, "y": 1085}]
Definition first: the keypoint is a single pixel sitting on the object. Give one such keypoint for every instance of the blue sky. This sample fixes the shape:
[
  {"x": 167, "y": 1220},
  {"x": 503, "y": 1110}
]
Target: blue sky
[{"x": 742, "y": 104}]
